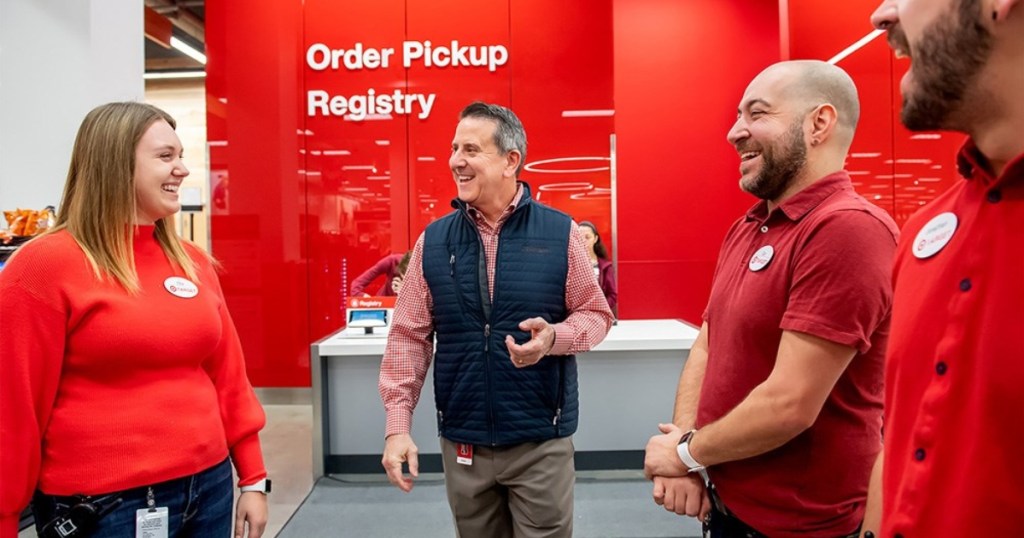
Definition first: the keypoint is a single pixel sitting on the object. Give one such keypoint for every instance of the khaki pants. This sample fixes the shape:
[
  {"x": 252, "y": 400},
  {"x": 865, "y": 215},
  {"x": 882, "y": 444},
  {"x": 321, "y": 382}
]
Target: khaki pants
[{"x": 521, "y": 491}]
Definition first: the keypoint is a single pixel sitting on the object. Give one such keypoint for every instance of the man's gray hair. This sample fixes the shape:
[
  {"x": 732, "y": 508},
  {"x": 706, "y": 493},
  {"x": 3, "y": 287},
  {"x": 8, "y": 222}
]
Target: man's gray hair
[{"x": 509, "y": 134}]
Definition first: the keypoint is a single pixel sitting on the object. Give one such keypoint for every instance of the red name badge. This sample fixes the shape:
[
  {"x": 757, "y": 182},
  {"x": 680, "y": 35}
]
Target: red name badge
[{"x": 464, "y": 453}]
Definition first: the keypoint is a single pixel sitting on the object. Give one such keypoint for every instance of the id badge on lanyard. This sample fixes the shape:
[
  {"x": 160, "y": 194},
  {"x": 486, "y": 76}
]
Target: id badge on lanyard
[{"x": 152, "y": 521}]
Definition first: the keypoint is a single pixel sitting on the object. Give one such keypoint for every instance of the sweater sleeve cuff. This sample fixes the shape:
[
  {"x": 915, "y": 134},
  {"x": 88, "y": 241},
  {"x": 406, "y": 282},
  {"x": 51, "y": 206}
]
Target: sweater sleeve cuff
[
  {"x": 248, "y": 459},
  {"x": 563, "y": 339}
]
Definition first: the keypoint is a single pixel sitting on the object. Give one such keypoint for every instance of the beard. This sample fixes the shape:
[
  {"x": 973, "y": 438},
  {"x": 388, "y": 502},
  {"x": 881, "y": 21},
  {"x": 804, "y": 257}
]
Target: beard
[
  {"x": 945, "y": 63},
  {"x": 780, "y": 164}
]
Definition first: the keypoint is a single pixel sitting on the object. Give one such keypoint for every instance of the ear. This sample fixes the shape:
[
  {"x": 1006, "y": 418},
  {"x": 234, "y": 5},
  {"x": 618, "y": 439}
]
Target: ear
[
  {"x": 512, "y": 160},
  {"x": 823, "y": 121},
  {"x": 1001, "y": 9}
]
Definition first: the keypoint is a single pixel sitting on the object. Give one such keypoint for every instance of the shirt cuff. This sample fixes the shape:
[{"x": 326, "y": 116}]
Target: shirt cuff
[
  {"x": 563, "y": 339},
  {"x": 398, "y": 421},
  {"x": 247, "y": 457}
]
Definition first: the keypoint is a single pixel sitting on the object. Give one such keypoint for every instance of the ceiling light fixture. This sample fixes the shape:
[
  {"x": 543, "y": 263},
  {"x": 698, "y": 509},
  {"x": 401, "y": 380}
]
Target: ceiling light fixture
[
  {"x": 567, "y": 186},
  {"x": 188, "y": 50},
  {"x": 856, "y": 46},
  {"x": 174, "y": 74},
  {"x": 533, "y": 167},
  {"x": 587, "y": 113}
]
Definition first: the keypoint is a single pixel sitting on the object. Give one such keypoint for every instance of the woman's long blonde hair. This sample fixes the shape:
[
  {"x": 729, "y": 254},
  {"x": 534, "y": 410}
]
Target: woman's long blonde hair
[{"x": 98, "y": 207}]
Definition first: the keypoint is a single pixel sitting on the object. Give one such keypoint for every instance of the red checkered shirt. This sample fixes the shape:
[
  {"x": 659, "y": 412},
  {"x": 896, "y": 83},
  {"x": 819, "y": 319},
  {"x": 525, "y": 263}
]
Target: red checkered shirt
[{"x": 410, "y": 349}]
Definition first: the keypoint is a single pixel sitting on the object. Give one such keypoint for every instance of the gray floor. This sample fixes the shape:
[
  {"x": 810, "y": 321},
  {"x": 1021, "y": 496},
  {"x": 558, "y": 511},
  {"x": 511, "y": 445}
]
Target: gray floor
[
  {"x": 615, "y": 505},
  {"x": 604, "y": 508}
]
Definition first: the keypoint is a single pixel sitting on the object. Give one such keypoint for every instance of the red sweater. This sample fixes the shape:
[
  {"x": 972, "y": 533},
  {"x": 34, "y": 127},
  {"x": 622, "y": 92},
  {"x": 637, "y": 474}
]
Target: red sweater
[{"x": 102, "y": 391}]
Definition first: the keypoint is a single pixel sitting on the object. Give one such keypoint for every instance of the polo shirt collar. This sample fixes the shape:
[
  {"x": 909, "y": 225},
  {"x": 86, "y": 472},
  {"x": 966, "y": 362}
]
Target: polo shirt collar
[
  {"x": 801, "y": 203},
  {"x": 972, "y": 164}
]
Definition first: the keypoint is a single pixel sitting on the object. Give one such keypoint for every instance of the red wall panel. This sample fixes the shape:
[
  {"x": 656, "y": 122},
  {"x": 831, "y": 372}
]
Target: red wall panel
[
  {"x": 258, "y": 205},
  {"x": 892, "y": 167},
  {"x": 355, "y": 170},
  {"x": 680, "y": 71}
]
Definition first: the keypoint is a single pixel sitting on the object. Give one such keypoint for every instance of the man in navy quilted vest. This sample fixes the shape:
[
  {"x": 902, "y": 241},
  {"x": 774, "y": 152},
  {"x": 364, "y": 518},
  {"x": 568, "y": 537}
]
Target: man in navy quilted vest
[{"x": 505, "y": 286}]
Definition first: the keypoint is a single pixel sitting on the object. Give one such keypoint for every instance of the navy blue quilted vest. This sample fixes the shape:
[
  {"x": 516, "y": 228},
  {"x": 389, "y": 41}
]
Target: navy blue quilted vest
[{"x": 481, "y": 397}]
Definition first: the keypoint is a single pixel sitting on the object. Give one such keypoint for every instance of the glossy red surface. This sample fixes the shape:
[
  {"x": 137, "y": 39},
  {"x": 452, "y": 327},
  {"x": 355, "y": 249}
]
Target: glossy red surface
[
  {"x": 680, "y": 71},
  {"x": 894, "y": 168},
  {"x": 258, "y": 205},
  {"x": 315, "y": 199},
  {"x": 302, "y": 204}
]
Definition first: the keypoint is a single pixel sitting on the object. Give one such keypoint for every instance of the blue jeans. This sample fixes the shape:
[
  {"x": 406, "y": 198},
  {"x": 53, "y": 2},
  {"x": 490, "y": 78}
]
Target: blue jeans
[{"x": 198, "y": 506}]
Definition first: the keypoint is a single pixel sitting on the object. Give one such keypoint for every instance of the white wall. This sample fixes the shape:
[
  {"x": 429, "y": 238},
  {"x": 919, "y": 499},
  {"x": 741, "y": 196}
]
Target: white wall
[{"x": 58, "y": 60}]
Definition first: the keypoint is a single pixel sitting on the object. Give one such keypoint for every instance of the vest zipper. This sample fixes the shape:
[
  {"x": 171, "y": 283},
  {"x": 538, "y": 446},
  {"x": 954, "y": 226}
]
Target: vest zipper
[
  {"x": 490, "y": 402},
  {"x": 558, "y": 415},
  {"x": 440, "y": 422}
]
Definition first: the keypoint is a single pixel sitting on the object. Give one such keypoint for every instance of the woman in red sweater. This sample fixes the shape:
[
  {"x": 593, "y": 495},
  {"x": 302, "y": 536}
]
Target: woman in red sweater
[{"x": 124, "y": 386}]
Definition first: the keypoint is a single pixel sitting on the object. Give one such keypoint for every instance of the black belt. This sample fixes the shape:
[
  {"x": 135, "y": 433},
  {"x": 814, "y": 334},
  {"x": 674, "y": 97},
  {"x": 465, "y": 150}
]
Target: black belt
[{"x": 723, "y": 524}]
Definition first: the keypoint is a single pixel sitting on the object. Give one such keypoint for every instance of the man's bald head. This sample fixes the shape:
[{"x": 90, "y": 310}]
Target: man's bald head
[{"x": 813, "y": 83}]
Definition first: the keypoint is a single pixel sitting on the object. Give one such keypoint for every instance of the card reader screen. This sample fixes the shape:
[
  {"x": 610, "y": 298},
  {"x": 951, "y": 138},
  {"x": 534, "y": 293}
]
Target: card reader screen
[{"x": 368, "y": 318}]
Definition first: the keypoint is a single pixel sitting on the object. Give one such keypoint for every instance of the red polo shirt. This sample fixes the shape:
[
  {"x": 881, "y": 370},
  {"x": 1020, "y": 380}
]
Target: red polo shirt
[
  {"x": 954, "y": 448},
  {"x": 829, "y": 276}
]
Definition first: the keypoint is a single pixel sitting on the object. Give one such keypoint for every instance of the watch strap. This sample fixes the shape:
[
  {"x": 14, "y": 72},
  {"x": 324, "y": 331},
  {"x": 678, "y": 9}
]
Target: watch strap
[
  {"x": 683, "y": 449},
  {"x": 263, "y": 486}
]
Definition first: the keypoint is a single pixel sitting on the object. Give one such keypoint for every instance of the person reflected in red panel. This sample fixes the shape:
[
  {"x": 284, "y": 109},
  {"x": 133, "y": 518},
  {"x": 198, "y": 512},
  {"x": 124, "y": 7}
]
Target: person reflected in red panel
[
  {"x": 506, "y": 286},
  {"x": 779, "y": 406},
  {"x": 392, "y": 267},
  {"x": 124, "y": 388},
  {"x": 603, "y": 268},
  {"x": 953, "y": 462}
]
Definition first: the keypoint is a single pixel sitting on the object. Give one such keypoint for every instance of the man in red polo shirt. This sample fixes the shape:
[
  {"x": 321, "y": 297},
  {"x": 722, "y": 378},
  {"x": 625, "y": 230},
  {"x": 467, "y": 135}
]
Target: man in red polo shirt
[
  {"x": 781, "y": 396},
  {"x": 954, "y": 446}
]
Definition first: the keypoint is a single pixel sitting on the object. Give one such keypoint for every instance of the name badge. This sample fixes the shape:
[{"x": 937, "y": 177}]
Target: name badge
[
  {"x": 463, "y": 454},
  {"x": 181, "y": 287},
  {"x": 761, "y": 258},
  {"x": 151, "y": 522},
  {"x": 935, "y": 235}
]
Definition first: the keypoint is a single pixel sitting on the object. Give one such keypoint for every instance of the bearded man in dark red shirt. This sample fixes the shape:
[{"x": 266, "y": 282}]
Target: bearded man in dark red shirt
[{"x": 780, "y": 402}]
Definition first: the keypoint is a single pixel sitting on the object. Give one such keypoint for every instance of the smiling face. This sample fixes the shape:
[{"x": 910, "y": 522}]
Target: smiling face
[
  {"x": 769, "y": 137},
  {"x": 485, "y": 178},
  {"x": 158, "y": 173},
  {"x": 948, "y": 47}
]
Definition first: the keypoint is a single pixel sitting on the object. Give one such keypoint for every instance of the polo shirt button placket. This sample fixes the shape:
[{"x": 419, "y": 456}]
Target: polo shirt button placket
[
  {"x": 965, "y": 285},
  {"x": 919, "y": 454},
  {"x": 941, "y": 368},
  {"x": 994, "y": 196},
  {"x": 764, "y": 229}
]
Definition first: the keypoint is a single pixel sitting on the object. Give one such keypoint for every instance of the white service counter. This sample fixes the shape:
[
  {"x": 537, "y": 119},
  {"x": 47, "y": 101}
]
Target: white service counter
[{"x": 627, "y": 386}]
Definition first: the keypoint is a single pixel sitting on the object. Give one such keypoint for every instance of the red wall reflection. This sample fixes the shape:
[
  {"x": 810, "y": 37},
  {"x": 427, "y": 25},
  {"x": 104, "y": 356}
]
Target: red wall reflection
[
  {"x": 894, "y": 168},
  {"x": 303, "y": 203},
  {"x": 307, "y": 201}
]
